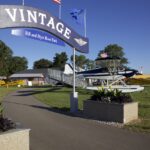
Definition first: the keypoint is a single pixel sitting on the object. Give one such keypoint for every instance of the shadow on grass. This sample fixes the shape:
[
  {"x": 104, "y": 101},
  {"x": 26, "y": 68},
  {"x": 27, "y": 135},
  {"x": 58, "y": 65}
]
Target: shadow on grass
[{"x": 33, "y": 91}]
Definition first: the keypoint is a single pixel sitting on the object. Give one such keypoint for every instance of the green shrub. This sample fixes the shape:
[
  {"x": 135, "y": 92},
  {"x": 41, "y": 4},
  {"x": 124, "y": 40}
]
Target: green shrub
[
  {"x": 109, "y": 95},
  {"x": 5, "y": 123}
]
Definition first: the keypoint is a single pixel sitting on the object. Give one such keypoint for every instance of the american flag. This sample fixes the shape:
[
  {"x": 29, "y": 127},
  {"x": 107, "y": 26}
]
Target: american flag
[
  {"x": 104, "y": 55},
  {"x": 57, "y": 1}
]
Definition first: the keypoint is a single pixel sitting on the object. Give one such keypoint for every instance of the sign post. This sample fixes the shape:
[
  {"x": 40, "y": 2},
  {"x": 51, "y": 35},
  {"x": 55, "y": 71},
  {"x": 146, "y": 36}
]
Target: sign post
[
  {"x": 15, "y": 16},
  {"x": 74, "y": 95}
]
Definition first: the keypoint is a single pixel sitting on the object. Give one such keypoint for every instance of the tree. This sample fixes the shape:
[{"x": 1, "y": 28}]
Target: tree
[
  {"x": 90, "y": 64},
  {"x": 60, "y": 60},
  {"x": 18, "y": 64},
  {"x": 82, "y": 62},
  {"x": 5, "y": 59},
  {"x": 114, "y": 50},
  {"x": 42, "y": 63},
  {"x": 8, "y": 63}
]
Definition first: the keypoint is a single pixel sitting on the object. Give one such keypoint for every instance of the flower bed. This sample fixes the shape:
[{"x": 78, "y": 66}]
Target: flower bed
[
  {"x": 2, "y": 82},
  {"x": 111, "y": 96},
  {"x": 12, "y": 83},
  {"x": 5, "y": 124},
  {"x": 113, "y": 106}
]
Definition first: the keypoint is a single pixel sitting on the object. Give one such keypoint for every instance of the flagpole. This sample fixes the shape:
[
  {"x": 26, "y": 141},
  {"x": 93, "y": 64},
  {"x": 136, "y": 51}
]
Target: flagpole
[
  {"x": 23, "y": 2},
  {"x": 85, "y": 22},
  {"x": 59, "y": 11}
]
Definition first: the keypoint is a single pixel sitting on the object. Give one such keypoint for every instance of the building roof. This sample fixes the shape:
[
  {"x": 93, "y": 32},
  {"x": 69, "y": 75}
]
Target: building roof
[
  {"x": 30, "y": 73},
  {"x": 27, "y": 75}
]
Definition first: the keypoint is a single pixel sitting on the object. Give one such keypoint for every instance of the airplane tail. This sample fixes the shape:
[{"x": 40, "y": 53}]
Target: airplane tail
[{"x": 69, "y": 69}]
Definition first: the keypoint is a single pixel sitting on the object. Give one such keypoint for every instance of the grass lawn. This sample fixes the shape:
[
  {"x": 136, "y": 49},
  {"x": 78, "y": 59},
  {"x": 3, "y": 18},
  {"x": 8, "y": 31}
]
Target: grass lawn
[
  {"x": 143, "y": 124},
  {"x": 4, "y": 91},
  {"x": 59, "y": 98}
]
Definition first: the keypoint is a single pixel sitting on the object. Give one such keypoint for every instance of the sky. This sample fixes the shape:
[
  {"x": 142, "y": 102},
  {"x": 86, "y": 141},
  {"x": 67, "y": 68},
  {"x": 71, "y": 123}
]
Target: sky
[{"x": 122, "y": 22}]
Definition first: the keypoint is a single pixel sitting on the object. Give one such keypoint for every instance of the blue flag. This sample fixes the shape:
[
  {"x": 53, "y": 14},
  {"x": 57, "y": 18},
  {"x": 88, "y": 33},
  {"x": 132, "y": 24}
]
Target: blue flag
[{"x": 78, "y": 15}]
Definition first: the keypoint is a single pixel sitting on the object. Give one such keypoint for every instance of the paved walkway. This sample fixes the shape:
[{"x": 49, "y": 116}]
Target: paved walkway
[{"x": 56, "y": 131}]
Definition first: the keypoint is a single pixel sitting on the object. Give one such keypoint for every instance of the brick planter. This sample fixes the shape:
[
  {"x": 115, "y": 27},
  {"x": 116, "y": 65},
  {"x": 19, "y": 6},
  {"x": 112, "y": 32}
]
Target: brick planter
[
  {"x": 113, "y": 112},
  {"x": 17, "y": 139}
]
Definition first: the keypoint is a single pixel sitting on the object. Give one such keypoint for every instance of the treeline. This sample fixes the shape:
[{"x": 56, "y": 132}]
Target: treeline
[
  {"x": 10, "y": 64},
  {"x": 60, "y": 59}
]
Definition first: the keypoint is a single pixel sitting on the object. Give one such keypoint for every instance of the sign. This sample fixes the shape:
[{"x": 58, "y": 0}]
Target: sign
[
  {"x": 37, "y": 35},
  {"x": 28, "y": 17}
]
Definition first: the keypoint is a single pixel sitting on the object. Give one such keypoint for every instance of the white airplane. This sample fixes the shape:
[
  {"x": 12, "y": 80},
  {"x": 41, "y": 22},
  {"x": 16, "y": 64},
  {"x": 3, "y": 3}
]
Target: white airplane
[{"x": 101, "y": 77}]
